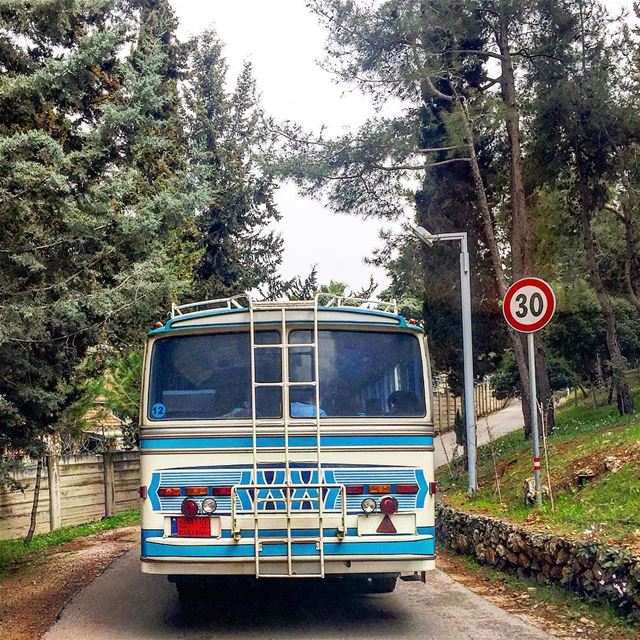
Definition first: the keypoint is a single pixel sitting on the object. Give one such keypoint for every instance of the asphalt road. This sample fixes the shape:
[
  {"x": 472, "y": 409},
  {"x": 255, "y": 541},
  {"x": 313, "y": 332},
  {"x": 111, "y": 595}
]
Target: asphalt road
[
  {"x": 494, "y": 426},
  {"x": 124, "y": 604}
]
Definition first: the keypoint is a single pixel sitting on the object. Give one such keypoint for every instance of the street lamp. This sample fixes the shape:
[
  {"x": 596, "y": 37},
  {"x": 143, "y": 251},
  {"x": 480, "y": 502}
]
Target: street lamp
[{"x": 467, "y": 348}]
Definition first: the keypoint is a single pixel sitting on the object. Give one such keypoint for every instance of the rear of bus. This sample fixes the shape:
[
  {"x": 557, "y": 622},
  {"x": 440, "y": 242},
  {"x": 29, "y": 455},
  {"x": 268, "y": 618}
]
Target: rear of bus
[{"x": 243, "y": 475}]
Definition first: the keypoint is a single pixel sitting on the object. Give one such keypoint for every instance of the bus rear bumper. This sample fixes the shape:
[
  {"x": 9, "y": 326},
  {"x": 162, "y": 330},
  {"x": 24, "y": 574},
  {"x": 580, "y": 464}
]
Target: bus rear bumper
[
  {"x": 405, "y": 554},
  {"x": 181, "y": 566}
]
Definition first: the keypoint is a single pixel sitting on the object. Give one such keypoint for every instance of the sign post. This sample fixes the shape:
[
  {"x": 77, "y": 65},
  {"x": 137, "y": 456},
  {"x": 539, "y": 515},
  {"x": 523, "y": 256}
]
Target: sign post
[{"x": 528, "y": 306}]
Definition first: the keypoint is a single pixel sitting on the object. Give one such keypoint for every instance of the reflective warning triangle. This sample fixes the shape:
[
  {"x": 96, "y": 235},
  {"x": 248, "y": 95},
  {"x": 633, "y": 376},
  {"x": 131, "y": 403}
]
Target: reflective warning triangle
[{"x": 386, "y": 526}]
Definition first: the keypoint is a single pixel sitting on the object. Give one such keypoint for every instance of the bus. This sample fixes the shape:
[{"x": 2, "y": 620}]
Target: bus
[{"x": 287, "y": 439}]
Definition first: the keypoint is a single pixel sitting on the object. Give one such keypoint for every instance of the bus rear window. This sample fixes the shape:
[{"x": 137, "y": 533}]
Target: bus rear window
[
  {"x": 208, "y": 377},
  {"x": 362, "y": 374}
]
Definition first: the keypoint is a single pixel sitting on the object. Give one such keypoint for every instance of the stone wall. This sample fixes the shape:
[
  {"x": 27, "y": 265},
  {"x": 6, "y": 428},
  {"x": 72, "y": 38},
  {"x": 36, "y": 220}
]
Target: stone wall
[{"x": 593, "y": 571}]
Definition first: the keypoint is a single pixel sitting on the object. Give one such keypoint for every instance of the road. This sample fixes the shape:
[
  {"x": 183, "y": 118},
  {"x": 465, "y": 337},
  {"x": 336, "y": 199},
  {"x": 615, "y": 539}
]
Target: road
[
  {"x": 500, "y": 423},
  {"x": 124, "y": 604}
]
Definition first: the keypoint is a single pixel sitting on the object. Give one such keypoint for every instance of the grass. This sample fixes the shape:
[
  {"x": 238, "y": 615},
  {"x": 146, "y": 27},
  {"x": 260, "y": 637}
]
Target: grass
[
  {"x": 14, "y": 551},
  {"x": 606, "y": 508},
  {"x": 574, "y": 608}
]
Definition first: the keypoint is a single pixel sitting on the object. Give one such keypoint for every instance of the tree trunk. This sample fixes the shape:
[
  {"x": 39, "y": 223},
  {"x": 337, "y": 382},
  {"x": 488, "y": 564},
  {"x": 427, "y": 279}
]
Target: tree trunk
[
  {"x": 521, "y": 235},
  {"x": 498, "y": 269},
  {"x": 624, "y": 399},
  {"x": 34, "y": 505},
  {"x": 631, "y": 265},
  {"x": 545, "y": 393}
]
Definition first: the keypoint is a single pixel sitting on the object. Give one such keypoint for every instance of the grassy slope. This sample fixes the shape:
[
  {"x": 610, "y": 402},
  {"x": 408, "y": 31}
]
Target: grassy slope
[
  {"x": 606, "y": 508},
  {"x": 14, "y": 551}
]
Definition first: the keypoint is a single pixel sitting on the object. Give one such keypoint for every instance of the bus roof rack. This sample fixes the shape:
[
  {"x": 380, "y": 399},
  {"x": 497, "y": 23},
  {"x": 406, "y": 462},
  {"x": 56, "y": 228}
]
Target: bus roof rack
[
  {"x": 321, "y": 299},
  {"x": 232, "y": 302}
]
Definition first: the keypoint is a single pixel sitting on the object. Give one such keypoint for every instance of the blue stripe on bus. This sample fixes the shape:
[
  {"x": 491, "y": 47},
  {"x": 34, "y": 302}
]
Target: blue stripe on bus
[
  {"x": 369, "y": 547},
  {"x": 295, "y": 441},
  {"x": 158, "y": 533}
]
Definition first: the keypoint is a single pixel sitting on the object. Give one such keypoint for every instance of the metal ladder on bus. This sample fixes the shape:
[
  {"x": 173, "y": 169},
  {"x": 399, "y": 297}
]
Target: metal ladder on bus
[{"x": 288, "y": 488}]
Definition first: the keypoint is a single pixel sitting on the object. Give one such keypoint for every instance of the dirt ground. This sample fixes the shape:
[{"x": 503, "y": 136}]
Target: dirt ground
[
  {"x": 559, "y": 620},
  {"x": 33, "y": 596}
]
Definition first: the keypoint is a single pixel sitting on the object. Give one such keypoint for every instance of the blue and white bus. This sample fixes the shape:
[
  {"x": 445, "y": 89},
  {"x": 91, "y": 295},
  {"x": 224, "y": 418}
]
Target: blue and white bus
[{"x": 287, "y": 439}]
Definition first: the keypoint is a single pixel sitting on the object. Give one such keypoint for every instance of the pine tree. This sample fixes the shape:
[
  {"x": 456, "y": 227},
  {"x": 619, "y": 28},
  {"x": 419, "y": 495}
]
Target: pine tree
[
  {"x": 234, "y": 196},
  {"x": 91, "y": 204}
]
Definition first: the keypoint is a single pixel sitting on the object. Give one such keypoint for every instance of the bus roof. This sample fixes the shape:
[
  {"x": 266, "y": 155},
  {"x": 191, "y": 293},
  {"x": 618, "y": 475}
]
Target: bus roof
[{"x": 240, "y": 310}]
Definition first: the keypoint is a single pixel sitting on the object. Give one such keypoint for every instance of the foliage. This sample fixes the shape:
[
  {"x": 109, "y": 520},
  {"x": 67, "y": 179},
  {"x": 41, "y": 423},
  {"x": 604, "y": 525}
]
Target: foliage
[
  {"x": 113, "y": 171},
  {"x": 234, "y": 201},
  {"x": 600, "y": 510},
  {"x": 506, "y": 381}
]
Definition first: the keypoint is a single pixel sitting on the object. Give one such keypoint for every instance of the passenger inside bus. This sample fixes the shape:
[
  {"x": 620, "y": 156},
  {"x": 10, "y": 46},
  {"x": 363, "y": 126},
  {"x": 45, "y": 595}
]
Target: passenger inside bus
[
  {"x": 403, "y": 403},
  {"x": 303, "y": 404}
]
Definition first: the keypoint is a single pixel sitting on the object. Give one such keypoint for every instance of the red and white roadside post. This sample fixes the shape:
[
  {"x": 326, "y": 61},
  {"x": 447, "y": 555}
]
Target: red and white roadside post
[{"x": 528, "y": 306}]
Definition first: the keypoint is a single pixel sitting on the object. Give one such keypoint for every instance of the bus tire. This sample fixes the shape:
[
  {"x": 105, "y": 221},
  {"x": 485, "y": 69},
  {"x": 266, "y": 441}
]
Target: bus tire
[{"x": 383, "y": 584}]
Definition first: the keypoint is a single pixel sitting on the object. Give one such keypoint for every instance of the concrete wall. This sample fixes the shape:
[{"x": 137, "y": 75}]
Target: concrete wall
[{"x": 73, "y": 489}]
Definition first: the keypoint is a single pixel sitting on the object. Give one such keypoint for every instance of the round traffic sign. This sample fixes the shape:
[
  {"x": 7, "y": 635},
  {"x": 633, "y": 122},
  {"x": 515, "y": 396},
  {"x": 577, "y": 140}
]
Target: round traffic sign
[{"x": 528, "y": 305}]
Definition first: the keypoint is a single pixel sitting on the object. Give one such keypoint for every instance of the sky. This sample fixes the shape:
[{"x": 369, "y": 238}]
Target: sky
[{"x": 285, "y": 42}]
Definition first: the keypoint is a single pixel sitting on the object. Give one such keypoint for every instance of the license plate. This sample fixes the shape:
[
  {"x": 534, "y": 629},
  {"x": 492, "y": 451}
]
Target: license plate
[{"x": 196, "y": 527}]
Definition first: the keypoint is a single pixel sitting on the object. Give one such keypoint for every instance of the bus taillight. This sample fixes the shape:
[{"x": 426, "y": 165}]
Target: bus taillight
[
  {"x": 189, "y": 508},
  {"x": 379, "y": 488},
  {"x": 406, "y": 488},
  {"x": 169, "y": 492},
  {"x": 221, "y": 491},
  {"x": 197, "y": 491},
  {"x": 355, "y": 490},
  {"x": 433, "y": 488},
  {"x": 388, "y": 505}
]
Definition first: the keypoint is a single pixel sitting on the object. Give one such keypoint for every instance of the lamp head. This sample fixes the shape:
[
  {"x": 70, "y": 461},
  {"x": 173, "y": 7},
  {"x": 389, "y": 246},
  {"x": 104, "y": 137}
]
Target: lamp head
[{"x": 423, "y": 234}]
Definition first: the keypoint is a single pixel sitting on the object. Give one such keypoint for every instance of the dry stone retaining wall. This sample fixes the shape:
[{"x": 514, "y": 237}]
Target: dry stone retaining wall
[{"x": 593, "y": 571}]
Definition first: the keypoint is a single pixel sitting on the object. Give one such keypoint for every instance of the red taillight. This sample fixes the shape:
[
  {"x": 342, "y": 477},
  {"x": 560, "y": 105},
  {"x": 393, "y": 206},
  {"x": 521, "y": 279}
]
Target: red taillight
[
  {"x": 169, "y": 492},
  {"x": 157, "y": 325},
  {"x": 221, "y": 491},
  {"x": 406, "y": 488},
  {"x": 388, "y": 505},
  {"x": 143, "y": 491},
  {"x": 189, "y": 508},
  {"x": 433, "y": 488},
  {"x": 355, "y": 490},
  {"x": 379, "y": 488},
  {"x": 197, "y": 491}
]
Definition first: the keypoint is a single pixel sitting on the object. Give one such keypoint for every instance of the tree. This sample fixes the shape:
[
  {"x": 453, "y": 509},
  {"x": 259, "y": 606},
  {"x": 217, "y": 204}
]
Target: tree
[
  {"x": 578, "y": 113},
  {"x": 234, "y": 195},
  {"x": 435, "y": 60},
  {"x": 90, "y": 196}
]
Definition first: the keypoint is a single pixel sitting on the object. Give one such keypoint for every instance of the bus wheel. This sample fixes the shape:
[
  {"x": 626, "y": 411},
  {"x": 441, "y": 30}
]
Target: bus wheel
[{"x": 383, "y": 584}]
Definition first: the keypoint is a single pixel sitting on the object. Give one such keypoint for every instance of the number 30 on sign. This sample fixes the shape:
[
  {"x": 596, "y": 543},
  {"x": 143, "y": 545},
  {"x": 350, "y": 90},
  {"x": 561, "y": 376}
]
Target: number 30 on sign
[{"x": 528, "y": 305}]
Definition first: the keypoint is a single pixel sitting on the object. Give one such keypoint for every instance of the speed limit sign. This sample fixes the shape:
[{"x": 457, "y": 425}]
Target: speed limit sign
[{"x": 528, "y": 305}]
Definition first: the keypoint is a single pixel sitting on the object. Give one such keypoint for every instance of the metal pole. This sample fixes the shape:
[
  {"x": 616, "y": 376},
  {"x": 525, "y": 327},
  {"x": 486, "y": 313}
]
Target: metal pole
[
  {"x": 469, "y": 404},
  {"x": 465, "y": 290},
  {"x": 534, "y": 419}
]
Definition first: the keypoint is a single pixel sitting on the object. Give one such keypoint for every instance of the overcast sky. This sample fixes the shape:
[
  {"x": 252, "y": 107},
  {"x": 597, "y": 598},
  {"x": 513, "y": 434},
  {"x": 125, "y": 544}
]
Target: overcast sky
[{"x": 284, "y": 42}]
